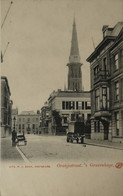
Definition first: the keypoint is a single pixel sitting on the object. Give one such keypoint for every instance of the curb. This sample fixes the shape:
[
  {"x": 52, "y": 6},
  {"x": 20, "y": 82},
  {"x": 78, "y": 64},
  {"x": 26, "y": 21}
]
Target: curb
[
  {"x": 22, "y": 155},
  {"x": 106, "y": 146}
]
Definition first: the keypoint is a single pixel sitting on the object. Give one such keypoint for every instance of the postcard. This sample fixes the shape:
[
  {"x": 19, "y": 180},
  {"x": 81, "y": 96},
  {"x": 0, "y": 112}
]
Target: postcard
[{"x": 61, "y": 98}]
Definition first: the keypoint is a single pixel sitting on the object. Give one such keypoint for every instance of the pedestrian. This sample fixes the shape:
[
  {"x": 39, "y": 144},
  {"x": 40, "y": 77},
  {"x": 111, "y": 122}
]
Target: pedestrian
[{"x": 14, "y": 138}]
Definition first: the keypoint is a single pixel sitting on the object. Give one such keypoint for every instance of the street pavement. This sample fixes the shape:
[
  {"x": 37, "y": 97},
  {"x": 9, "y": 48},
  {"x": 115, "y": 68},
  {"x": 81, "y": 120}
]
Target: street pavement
[
  {"x": 93, "y": 170},
  {"x": 9, "y": 153},
  {"x": 45, "y": 148}
]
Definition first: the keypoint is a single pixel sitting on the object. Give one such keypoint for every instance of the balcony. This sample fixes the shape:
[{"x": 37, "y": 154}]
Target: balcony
[
  {"x": 102, "y": 75},
  {"x": 102, "y": 113}
]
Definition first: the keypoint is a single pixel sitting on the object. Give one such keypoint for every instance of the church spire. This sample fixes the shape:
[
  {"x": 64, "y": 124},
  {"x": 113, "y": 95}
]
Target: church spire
[
  {"x": 74, "y": 53},
  {"x": 74, "y": 65}
]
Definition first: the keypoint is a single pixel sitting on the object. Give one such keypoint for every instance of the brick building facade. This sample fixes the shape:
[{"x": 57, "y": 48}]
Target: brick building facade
[
  {"x": 28, "y": 122},
  {"x": 71, "y": 106},
  {"x": 106, "y": 65}
]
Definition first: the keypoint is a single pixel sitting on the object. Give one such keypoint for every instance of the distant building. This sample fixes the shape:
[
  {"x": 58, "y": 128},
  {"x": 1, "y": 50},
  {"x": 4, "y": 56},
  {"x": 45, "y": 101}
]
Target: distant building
[
  {"x": 28, "y": 122},
  {"x": 72, "y": 106},
  {"x": 45, "y": 117},
  {"x": 6, "y": 108},
  {"x": 106, "y": 65}
]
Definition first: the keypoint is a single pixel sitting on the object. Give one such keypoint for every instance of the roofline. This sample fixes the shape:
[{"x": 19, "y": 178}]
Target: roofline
[
  {"x": 117, "y": 40},
  {"x": 106, "y": 40},
  {"x": 56, "y": 95}
]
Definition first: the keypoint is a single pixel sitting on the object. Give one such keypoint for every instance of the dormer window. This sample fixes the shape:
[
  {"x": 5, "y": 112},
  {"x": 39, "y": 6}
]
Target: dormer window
[{"x": 104, "y": 34}]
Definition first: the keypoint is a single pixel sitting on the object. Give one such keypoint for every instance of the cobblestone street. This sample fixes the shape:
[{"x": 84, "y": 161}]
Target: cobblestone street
[
  {"x": 53, "y": 151},
  {"x": 55, "y": 148}
]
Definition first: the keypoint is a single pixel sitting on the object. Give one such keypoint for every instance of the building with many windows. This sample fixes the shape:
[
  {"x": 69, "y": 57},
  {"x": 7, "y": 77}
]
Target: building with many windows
[
  {"x": 6, "y": 108},
  {"x": 106, "y": 65},
  {"x": 28, "y": 122},
  {"x": 72, "y": 106}
]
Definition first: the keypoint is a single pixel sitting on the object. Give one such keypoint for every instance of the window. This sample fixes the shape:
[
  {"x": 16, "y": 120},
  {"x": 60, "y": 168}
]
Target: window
[
  {"x": 72, "y": 117},
  {"x": 77, "y": 105},
  {"x": 67, "y": 105},
  {"x": 28, "y": 119},
  {"x": 97, "y": 100},
  {"x": 23, "y": 119},
  {"x": 116, "y": 63},
  {"x": 104, "y": 68},
  {"x": 96, "y": 70},
  {"x": 77, "y": 116},
  {"x": 28, "y": 125},
  {"x": 82, "y": 105},
  {"x": 72, "y": 105},
  {"x": 63, "y": 105},
  {"x": 87, "y": 105},
  {"x": 97, "y": 126},
  {"x": 116, "y": 91},
  {"x": 19, "y": 119},
  {"x": 19, "y": 126},
  {"x": 47, "y": 114},
  {"x": 65, "y": 119},
  {"x": 104, "y": 98},
  {"x": 83, "y": 117},
  {"x": 33, "y": 126},
  {"x": 36, "y": 119},
  {"x": 88, "y": 116},
  {"x": 117, "y": 123},
  {"x": 22, "y": 126},
  {"x": 104, "y": 64}
]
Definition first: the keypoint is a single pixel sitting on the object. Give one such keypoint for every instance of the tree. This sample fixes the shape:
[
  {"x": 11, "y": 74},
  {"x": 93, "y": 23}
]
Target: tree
[{"x": 57, "y": 118}]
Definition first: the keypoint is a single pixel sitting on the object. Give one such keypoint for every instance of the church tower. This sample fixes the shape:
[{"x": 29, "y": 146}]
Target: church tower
[{"x": 74, "y": 65}]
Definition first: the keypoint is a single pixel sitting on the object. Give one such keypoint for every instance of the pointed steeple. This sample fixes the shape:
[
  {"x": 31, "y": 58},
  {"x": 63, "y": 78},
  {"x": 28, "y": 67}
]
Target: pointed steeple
[
  {"x": 74, "y": 53},
  {"x": 74, "y": 65}
]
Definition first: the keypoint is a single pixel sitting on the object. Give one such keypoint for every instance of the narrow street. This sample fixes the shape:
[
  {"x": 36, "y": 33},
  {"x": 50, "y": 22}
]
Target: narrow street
[
  {"x": 51, "y": 166},
  {"x": 42, "y": 148}
]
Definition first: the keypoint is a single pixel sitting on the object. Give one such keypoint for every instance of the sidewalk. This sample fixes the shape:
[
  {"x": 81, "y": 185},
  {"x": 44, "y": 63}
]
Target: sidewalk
[
  {"x": 9, "y": 153},
  {"x": 104, "y": 143}
]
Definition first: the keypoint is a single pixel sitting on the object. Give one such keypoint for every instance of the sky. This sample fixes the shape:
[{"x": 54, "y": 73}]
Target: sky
[{"x": 40, "y": 32}]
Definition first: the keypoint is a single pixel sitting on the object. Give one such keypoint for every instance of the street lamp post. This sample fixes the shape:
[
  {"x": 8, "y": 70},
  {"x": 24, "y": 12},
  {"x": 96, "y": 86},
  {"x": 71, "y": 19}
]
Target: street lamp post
[
  {"x": 14, "y": 134},
  {"x": 14, "y": 119},
  {"x": 40, "y": 126}
]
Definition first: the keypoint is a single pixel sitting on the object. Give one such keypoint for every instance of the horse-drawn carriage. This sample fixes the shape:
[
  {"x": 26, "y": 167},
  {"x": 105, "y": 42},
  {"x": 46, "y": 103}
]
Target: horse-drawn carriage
[
  {"x": 21, "y": 138},
  {"x": 18, "y": 138}
]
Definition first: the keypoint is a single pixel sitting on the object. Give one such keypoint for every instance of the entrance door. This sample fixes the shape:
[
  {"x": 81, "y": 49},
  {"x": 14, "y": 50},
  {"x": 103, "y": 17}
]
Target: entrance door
[{"x": 106, "y": 130}]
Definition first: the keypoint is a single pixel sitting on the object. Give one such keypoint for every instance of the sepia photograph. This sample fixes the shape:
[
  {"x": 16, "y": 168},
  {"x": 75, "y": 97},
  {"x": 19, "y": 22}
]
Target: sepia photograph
[{"x": 61, "y": 130}]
